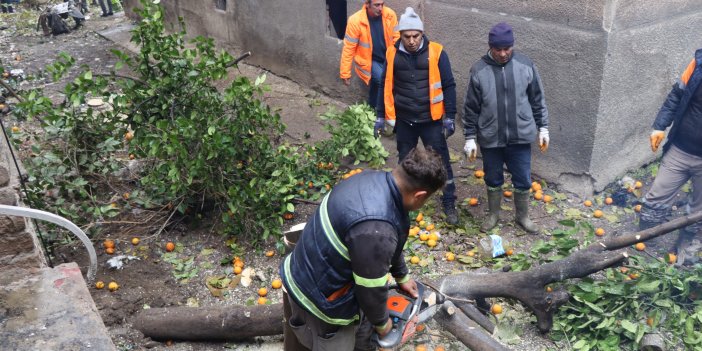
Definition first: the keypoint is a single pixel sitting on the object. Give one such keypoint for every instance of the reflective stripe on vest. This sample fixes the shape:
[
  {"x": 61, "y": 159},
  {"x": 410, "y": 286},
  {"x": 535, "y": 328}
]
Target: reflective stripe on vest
[
  {"x": 436, "y": 93},
  {"x": 329, "y": 230},
  {"x": 307, "y": 303},
  {"x": 370, "y": 283}
]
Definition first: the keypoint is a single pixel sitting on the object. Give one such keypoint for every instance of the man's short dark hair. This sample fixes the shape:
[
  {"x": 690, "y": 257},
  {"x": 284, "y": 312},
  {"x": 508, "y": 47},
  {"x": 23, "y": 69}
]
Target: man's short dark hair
[{"x": 424, "y": 170}]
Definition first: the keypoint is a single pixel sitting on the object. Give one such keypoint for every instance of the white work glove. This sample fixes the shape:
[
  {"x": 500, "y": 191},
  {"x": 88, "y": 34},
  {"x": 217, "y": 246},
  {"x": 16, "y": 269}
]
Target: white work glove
[
  {"x": 391, "y": 122},
  {"x": 471, "y": 149},
  {"x": 543, "y": 139}
]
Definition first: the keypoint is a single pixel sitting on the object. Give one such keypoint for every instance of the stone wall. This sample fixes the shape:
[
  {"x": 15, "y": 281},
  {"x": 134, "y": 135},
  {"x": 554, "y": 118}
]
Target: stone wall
[
  {"x": 19, "y": 246},
  {"x": 607, "y": 65}
]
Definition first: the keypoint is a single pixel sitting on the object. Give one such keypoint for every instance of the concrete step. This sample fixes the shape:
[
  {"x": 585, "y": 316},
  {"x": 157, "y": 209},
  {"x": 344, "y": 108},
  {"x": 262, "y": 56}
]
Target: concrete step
[{"x": 49, "y": 309}]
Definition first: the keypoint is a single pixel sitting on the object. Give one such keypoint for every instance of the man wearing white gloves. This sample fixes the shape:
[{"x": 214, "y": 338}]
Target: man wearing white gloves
[
  {"x": 682, "y": 157},
  {"x": 504, "y": 112},
  {"x": 419, "y": 98}
]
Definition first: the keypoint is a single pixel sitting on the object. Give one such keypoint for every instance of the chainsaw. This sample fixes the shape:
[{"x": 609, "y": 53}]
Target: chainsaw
[{"x": 407, "y": 313}]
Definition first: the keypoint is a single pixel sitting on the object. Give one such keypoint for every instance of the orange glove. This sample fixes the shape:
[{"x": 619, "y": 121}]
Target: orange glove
[{"x": 656, "y": 137}]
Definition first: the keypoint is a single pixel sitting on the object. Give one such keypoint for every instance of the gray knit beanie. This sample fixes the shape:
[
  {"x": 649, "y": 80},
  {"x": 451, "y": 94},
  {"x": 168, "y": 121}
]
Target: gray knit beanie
[{"x": 410, "y": 21}]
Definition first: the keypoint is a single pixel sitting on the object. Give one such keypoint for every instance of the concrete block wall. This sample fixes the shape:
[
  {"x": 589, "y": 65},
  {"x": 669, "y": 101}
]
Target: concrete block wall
[
  {"x": 19, "y": 246},
  {"x": 607, "y": 65}
]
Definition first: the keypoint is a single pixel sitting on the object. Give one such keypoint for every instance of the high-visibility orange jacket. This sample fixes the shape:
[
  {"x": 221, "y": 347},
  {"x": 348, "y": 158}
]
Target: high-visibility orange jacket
[
  {"x": 436, "y": 94},
  {"x": 358, "y": 44}
]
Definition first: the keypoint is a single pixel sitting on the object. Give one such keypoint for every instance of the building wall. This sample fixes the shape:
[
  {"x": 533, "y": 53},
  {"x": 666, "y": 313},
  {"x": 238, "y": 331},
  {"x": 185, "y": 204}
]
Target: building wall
[
  {"x": 607, "y": 65},
  {"x": 19, "y": 246}
]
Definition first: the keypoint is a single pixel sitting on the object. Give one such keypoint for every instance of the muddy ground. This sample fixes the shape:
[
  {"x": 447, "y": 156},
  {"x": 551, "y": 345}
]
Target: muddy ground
[{"x": 157, "y": 279}]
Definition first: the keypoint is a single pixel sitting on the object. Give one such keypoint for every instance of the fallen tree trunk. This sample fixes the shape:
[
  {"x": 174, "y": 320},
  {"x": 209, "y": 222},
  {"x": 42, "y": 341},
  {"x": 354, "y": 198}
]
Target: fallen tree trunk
[
  {"x": 211, "y": 323},
  {"x": 466, "y": 330},
  {"x": 528, "y": 287}
]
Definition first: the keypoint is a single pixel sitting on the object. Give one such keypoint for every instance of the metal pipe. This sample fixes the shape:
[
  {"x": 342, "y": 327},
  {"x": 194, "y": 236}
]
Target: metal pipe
[{"x": 58, "y": 220}]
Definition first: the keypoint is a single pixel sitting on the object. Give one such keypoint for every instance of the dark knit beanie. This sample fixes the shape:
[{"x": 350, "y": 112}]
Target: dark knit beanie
[{"x": 501, "y": 36}]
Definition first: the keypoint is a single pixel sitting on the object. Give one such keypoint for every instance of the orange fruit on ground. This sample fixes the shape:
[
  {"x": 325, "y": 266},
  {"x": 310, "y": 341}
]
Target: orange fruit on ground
[
  {"x": 637, "y": 208},
  {"x": 599, "y": 232},
  {"x": 597, "y": 214},
  {"x": 420, "y": 328},
  {"x": 638, "y": 185},
  {"x": 420, "y": 347},
  {"x": 536, "y": 186},
  {"x": 113, "y": 286},
  {"x": 424, "y": 236},
  {"x": 262, "y": 292},
  {"x": 608, "y": 200},
  {"x": 126, "y": 196},
  {"x": 672, "y": 258},
  {"x": 633, "y": 276},
  {"x": 640, "y": 246},
  {"x": 496, "y": 309},
  {"x": 288, "y": 216},
  {"x": 507, "y": 193},
  {"x": 276, "y": 284},
  {"x": 431, "y": 243},
  {"x": 439, "y": 348},
  {"x": 471, "y": 253},
  {"x": 310, "y": 185},
  {"x": 131, "y": 156},
  {"x": 99, "y": 284},
  {"x": 128, "y": 136},
  {"x": 538, "y": 195},
  {"x": 262, "y": 300},
  {"x": 509, "y": 252},
  {"x": 623, "y": 269},
  {"x": 479, "y": 173},
  {"x": 450, "y": 256},
  {"x": 110, "y": 250},
  {"x": 108, "y": 244},
  {"x": 587, "y": 203},
  {"x": 434, "y": 236},
  {"x": 15, "y": 129},
  {"x": 170, "y": 246},
  {"x": 135, "y": 241},
  {"x": 549, "y": 289},
  {"x": 270, "y": 253},
  {"x": 237, "y": 270},
  {"x": 420, "y": 217},
  {"x": 414, "y": 260},
  {"x": 473, "y": 201},
  {"x": 422, "y": 224},
  {"x": 649, "y": 321},
  {"x": 548, "y": 198},
  {"x": 430, "y": 227}
]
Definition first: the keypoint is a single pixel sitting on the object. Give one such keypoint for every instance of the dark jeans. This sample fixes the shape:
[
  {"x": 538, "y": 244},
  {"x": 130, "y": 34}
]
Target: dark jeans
[
  {"x": 431, "y": 133},
  {"x": 518, "y": 160},
  {"x": 374, "y": 92},
  {"x": 105, "y": 8}
]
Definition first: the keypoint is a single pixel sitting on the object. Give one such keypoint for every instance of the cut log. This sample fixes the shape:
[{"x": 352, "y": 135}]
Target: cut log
[
  {"x": 466, "y": 330},
  {"x": 210, "y": 323}
]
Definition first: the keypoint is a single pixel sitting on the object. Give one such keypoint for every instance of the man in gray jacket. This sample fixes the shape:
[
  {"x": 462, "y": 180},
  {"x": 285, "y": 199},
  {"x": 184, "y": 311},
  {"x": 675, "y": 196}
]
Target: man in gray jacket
[{"x": 504, "y": 112}]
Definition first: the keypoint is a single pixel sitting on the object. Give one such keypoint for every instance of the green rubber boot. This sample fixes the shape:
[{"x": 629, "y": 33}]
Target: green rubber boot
[
  {"x": 521, "y": 205},
  {"x": 494, "y": 202}
]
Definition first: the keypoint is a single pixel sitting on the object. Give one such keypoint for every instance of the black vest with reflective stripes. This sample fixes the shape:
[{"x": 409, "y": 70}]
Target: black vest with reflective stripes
[
  {"x": 318, "y": 275},
  {"x": 411, "y": 86}
]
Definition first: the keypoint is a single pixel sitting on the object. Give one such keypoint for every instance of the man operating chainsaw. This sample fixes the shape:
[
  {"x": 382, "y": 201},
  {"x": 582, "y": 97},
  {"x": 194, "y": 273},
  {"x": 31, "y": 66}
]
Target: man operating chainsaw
[{"x": 336, "y": 278}]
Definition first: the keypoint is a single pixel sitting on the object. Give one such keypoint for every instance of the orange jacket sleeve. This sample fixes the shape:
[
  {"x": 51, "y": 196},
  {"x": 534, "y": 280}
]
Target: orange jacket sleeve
[{"x": 349, "y": 51}]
